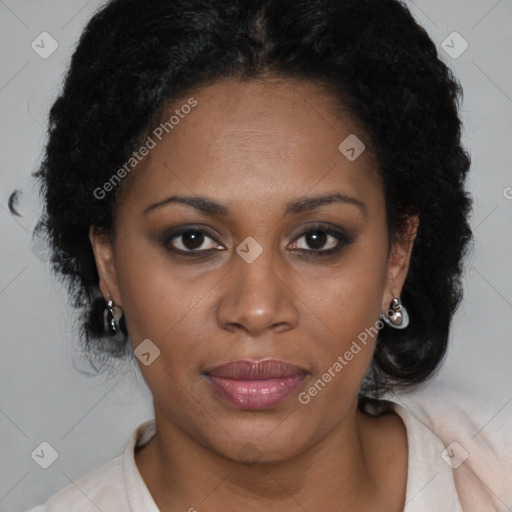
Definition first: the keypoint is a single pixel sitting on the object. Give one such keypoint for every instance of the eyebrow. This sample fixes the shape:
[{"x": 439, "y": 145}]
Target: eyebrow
[{"x": 299, "y": 205}]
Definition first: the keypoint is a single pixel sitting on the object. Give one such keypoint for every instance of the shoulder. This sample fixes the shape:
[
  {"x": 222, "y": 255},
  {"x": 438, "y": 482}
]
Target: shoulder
[
  {"x": 101, "y": 489},
  {"x": 115, "y": 485},
  {"x": 476, "y": 439}
]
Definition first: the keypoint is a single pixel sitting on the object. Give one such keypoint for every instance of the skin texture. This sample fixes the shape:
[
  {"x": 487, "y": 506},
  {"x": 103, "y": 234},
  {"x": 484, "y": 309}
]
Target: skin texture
[{"x": 253, "y": 147}]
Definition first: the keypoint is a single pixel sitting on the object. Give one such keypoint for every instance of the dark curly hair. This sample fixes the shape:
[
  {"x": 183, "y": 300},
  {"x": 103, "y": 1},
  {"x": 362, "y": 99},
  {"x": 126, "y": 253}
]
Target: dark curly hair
[{"x": 136, "y": 56}]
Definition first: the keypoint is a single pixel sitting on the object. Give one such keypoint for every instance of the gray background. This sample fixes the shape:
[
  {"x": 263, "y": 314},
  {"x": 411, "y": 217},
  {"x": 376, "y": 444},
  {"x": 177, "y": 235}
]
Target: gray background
[{"x": 89, "y": 420}]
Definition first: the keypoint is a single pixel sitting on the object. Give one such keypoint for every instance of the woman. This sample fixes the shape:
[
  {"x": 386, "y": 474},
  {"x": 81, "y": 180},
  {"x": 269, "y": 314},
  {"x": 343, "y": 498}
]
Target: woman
[{"x": 264, "y": 202}]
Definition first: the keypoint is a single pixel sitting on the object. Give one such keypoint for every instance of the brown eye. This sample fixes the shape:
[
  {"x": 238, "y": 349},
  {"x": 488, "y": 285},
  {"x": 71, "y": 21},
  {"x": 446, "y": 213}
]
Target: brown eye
[
  {"x": 316, "y": 239},
  {"x": 321, "y": 240},
  {"x": 190, "y": 240}
]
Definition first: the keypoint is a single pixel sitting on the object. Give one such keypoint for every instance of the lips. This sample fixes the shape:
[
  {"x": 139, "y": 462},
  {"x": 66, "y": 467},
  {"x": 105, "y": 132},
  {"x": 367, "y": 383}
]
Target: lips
[
  {"x": 256, "y": 370},
  {"x": 255, "y": 384}
]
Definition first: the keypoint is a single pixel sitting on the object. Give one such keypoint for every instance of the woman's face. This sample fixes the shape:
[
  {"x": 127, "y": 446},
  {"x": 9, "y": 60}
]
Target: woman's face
[{"x": 263, "y": 269}]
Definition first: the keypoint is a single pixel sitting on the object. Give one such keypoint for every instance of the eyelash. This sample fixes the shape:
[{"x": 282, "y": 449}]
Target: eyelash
[{"x": 343, "y": 238}]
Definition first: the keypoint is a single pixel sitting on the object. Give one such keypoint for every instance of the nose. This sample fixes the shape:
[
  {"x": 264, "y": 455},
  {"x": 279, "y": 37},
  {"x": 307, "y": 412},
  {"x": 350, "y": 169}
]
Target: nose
[{"x": 257, "y": 297}]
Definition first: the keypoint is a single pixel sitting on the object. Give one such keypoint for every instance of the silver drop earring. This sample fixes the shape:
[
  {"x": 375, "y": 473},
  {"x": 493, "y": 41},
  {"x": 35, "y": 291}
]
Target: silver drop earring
[
  {"x": 397, "y": 316},
  {"x": 111, "y": 317}
]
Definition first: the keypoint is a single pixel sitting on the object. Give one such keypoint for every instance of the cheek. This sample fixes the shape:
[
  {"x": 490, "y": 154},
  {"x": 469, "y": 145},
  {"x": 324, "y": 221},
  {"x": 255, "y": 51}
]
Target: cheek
[
  {"x": 344, "y": 319},
  {"x": 164, "y": 304},
  {"x": 346, "y": 335},
  {"x": 351, "y": 301},
  {"x": 156, "y": 294},
  {"x": 348, "y": 299}
]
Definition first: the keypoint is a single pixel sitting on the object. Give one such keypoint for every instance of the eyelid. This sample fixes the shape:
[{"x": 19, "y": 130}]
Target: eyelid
[{"x": 336, "y": 231}]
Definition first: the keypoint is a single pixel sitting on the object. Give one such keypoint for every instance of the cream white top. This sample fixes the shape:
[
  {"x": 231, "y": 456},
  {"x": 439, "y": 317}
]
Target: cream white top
[{"x": 440, "y": 473}]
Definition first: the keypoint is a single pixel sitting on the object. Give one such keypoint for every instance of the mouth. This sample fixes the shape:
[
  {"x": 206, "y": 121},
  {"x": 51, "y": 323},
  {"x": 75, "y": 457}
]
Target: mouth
[{"x": 255, "y": 384}]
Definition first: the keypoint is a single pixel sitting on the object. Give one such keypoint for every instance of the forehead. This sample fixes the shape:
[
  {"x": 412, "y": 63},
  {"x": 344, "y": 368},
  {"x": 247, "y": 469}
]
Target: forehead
[{"x": 248, "y": 139}]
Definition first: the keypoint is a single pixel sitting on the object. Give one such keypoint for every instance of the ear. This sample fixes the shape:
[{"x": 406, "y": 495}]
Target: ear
[
  {"x": 398, "y": 262},
  {"x": 103, "y": 249}
]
